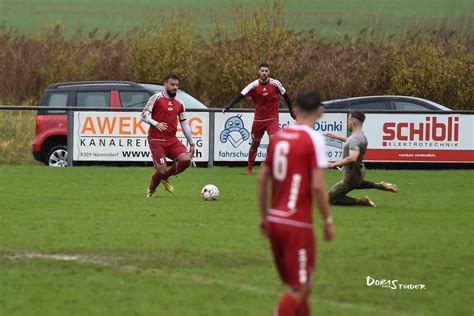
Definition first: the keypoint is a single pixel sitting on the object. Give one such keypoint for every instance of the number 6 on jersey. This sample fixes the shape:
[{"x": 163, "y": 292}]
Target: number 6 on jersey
[{"x": 280, "y": 160}]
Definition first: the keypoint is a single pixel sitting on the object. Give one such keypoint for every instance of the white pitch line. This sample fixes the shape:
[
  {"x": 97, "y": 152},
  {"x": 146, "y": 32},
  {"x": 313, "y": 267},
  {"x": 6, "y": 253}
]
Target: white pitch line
[{"x": 106, "y": 262}]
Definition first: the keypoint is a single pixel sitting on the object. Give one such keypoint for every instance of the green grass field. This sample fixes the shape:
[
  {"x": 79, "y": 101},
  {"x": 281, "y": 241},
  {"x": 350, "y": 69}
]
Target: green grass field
[
  {"x": 85, "y": 241},
  {"x": 333, "y": 18}
]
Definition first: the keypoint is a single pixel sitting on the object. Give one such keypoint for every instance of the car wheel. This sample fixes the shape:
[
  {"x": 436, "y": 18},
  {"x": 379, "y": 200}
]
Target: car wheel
[{"x": 57, "y": 156}]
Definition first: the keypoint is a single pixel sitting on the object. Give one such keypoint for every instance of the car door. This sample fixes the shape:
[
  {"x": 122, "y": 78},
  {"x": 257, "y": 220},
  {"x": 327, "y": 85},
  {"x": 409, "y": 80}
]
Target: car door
[{"x": 53, "y": 122}]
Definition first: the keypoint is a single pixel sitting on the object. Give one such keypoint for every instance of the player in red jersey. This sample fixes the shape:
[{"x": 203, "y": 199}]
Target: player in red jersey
[
  {"x": 294, "y": 167},
  {"x": 264, "y": 93},
  {"x": 162, "y": 112}
]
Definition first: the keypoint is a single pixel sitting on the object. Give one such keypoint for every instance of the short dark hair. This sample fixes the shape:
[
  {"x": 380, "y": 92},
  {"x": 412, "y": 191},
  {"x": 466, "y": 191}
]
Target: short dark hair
[
  {"x": 359, "y": 115},
  {"x": 308, "y": 101},
  {"x": 266, "y": 65},
  {"x": 171, "y": 76}
]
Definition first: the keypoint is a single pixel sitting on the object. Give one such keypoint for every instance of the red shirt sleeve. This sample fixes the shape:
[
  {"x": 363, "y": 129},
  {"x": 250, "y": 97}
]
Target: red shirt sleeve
[{"x": 248, "y": 91}]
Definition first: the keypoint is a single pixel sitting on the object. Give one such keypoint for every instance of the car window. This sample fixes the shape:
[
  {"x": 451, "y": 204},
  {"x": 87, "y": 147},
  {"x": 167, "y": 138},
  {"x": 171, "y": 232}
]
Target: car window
[
  {"x": 133, "y": 99},
  {"x": 370, "y": 105},
  {"x": 57, "y": 99},
  {"x": 93, "y": 99},
  {"x": 189, "y": 101},
  {"x": 410, "y": 106},
  {"x": 333, "y": 104}
]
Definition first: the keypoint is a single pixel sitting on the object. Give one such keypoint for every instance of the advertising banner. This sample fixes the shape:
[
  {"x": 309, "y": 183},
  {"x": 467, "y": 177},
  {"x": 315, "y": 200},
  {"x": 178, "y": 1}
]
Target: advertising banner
[
  {"x": 420, "y": 137},
  {"x": 122, "y": 136},
  {"x": 232, "y": 135}
]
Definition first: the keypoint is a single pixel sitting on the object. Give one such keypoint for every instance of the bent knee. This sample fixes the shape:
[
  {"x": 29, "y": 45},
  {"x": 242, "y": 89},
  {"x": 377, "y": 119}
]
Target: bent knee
[
  {"x": 186, "y": 160},
  {"x": 161, "y": 169}
]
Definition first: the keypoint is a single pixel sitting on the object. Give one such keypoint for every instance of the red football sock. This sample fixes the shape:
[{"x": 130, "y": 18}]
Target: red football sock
[
  {"x": 287, "y": 306},
  {"x": 155, "y": 180},
  {"x": 252, "y": 155},
  {"x": 304, "y": 309},
  {"x": 176, "y": 168}
]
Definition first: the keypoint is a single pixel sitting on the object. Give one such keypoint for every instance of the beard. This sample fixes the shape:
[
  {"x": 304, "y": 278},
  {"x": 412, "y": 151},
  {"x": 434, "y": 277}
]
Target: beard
[{"x": 171, "y": 94}]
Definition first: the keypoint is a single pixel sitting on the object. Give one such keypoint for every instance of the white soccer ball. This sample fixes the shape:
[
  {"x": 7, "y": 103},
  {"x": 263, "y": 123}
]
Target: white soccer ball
[{"x": 210, "y": 192}]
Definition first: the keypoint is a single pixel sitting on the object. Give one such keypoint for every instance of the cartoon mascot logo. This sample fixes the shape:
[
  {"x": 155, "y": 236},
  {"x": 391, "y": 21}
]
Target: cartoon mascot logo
[{"x": 234, "y": 131}]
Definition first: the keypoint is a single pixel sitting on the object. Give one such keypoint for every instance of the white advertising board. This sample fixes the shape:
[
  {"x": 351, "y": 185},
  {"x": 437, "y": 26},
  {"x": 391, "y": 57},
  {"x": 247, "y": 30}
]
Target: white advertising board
[
  {"x": 420, "y": 137},
  {"x": 234, "y": 146},
  {"x": 122, "y": 136}
]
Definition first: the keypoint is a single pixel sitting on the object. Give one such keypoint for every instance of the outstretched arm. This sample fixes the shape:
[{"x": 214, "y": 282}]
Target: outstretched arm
[
  {"x": 290, "y": 104},
  {"x": 353, "y": 155},
  {"x": 233, "y": 102},
  {"x": 338, "y": 137}
]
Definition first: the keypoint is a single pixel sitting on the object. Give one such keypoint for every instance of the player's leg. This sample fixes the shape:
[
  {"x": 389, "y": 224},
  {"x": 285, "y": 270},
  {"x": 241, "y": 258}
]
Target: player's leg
[
  {"x": 278, "y": 234},
  {"x": 365, "y": 185},
  {"x": 182, "y": 160},
  {"x": 383, "y": 186},
  {"x": 338, "y": 191},
  {"x": 310, "y": 245},
  {"x": 304, "y": 309},
  {"x": 159, "y": 163},
  {"x": 345, "y": 200},
  {"x": 295, "y": 301},
  {"x": 338, "y": 194},
  {"x": 258, "y": 129},
  {"x": 272, "y": 127},
  {"x": 181, "y": 163},
  {"x": 294, "y": 254},
  {"x": 252, "y": 155}
]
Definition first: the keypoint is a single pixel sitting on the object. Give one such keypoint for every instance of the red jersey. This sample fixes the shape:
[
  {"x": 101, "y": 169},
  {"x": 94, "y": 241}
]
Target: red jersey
[
  {"x": 265, "y": 96},
  {"x": 292, "y": 155},
  {"x": 164, "y": 110}
]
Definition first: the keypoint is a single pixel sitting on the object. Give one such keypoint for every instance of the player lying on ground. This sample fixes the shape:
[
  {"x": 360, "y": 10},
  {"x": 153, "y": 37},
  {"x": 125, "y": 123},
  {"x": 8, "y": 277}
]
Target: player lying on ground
[
  {"x": 161, "y": 112},
  {"x": 264, "y": 92},
  {"x": 354, "y": 170},
  {"x": 294, "y": 168}
]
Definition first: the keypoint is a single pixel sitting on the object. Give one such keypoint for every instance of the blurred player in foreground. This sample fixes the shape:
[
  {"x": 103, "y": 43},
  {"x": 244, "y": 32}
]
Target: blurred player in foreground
[
  {"x": 294, "y": 168},
  {"x": 162, "y": 112},
  {"x": 353, "y": 167},
  {"x": 265, "y": 92}
]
